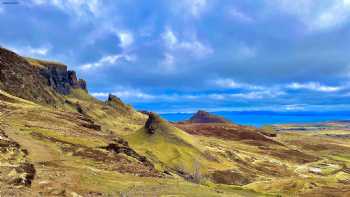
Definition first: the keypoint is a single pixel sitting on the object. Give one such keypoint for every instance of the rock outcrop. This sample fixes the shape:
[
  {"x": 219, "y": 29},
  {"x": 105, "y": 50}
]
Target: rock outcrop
[
  {"x": 61, "y": 79},
  {"x": 16, "y": 169},
  {"x": 19, "y": 78},
  {"x": 118, "y": 104},
  {"x": 205, "y": 117},
  {"x": 36, "y": 80},
  {"x": 153, "y": 122},
  {"x": 121, "y": 146}
]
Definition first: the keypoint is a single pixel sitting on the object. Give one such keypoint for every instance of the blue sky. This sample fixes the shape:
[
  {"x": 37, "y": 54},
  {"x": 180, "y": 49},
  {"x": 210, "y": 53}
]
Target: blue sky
[{"x": 184, "y": 55}]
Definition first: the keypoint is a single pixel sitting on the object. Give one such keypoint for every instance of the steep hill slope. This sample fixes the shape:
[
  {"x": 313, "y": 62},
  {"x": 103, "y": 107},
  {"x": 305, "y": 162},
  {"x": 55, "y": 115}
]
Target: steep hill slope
[
  {"x": 171, "y": 149},
  {"x": 57, "y": 140},
  {"x": 19, "y": 78},
  {"x": 52, "y": 84},
  {"x": 72, "y": 157}
]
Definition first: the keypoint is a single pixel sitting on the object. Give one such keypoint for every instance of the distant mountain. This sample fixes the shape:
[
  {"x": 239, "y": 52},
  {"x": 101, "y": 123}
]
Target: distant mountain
[{"x": 205, "y": 117}]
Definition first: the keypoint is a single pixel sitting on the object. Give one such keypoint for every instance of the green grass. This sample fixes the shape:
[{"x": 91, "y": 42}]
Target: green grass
[
  {"x": 172, "y": 147},
  {"x": 43, "y": 63}
]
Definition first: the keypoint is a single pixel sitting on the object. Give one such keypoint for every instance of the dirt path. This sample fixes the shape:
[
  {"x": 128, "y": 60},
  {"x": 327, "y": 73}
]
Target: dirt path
[
  {"x": 38, "y": 151},
  {"x": 52, "y": 176}
]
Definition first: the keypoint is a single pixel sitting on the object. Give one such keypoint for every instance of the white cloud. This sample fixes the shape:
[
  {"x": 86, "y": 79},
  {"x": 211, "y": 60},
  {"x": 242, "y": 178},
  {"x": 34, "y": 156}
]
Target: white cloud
[
  {"x": 168, "y": 63},
  {"x": 262, "y": 94},
  {"x": 245, "y": 52},
  {"x": 192, "y": 46},
  {"x": 134, "y": 95},
  {"x": 196, "y": 47},
  {"x": 294, "y": 107},
  {"x": 39, "y": 51},
  {"x": 194, "y": 7},
  {"x": 317, "y": 15},
  {"x": 128, "y": 95},
  {"x": 231, "y": 84},
  {"x": 108, "y": 60},
  {"x": 126, "y": 39},
  {"x": 227, "y": 83},
  {"x": 240, "y": 16},
  {"x": 169, "y": 38},
  {"x": 31, "y": 51},
  {"x": 77, "y": 7},
  {"x": 314, "y": 86},
  {"x": 100, "y": 94}
]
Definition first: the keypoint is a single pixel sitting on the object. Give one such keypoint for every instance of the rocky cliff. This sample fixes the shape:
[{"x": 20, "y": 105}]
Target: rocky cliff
[
  {"x": 60, "y": 79},
  {"x": 36, "y": 80}
]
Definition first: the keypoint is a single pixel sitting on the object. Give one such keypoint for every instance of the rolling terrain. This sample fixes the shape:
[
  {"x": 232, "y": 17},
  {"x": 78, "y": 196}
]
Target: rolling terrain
[{"x": 57, "y": 140}]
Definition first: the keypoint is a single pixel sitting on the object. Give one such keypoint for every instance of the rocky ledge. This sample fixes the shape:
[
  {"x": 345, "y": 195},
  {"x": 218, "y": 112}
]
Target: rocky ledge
[
  {"x": 36, "y": 80},
  {"x": 61, "y": 79}
]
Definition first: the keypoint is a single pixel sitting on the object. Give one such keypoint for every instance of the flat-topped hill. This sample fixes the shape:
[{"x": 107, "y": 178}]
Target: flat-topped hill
[{"x": 205, "y": 117}]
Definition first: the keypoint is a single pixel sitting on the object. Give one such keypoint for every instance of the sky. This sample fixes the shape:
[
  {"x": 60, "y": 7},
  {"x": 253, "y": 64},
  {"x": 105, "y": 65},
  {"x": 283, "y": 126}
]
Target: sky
[{"x": 185, "y": 55}]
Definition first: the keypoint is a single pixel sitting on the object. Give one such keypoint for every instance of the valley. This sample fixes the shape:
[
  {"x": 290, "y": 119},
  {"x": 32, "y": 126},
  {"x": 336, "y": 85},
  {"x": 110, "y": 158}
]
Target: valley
[{"x": 58, "y": 140}]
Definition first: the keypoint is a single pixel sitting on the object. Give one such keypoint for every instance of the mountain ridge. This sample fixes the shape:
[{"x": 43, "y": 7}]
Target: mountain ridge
[
  {"x": 36, "y": 80},
  {"x": 56, "y": 139}
]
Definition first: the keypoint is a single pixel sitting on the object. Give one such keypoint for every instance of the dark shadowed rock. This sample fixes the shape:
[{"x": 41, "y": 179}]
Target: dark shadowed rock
[
  {"x": 92, "y": 126},
  {"x": 119, "y": 145},
  {"x": 36, "y": 80},
  {"x": 82, "y": 84},
  {"x": 61, "y": 79},
  {"x": 152, "y": 123},
  {"x": 29, "y": 173},
  {"x": 112, "y": 99},
  {"x": 205, "y": 117},
  {"x": 145, "y": 112}
]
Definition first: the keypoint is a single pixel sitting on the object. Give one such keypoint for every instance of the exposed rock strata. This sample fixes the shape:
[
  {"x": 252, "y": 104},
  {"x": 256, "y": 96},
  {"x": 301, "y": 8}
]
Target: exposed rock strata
[{"x": 36, "y": 80}]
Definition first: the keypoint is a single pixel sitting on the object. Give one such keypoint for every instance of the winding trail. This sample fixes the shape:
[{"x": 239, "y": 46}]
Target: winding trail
[{"x": 48, "y": 161}]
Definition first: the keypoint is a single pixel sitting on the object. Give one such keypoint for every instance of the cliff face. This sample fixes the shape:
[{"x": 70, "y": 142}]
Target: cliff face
[
  {"x": 19, "y": 78},
  {"x": 36, "y": 80},
  {"x": 61, "y": 79}
]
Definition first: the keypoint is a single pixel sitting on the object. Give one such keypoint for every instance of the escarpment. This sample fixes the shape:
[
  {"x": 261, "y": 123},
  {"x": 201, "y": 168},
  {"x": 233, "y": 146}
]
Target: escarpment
[
  {"x": 60, "y": 79},
  {"x": 36, "y": 80}
]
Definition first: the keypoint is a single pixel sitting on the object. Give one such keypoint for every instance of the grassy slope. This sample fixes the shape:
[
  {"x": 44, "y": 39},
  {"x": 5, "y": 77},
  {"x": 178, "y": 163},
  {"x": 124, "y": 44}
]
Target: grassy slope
[
  {"x": 275, "y": 169},
  {"x": 59, "y": 171},
  {"x": 172, "y": 148},
  {"x": 326, "y": 177},
  {"x": 111, "y": 119}
]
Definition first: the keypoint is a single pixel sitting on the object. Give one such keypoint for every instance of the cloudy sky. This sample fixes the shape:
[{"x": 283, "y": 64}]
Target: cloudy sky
[{"x": 182, "y": 55}]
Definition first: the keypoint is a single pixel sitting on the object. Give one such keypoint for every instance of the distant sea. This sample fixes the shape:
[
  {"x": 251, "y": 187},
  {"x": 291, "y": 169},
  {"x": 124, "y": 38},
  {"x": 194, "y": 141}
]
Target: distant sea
[{"x": 262, "y": 118}]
